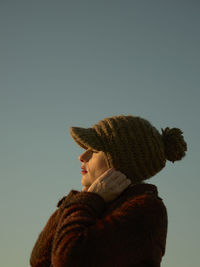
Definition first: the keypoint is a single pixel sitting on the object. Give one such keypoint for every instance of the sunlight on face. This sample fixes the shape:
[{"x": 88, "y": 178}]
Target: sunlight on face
[{"x": 94, "y": 163}]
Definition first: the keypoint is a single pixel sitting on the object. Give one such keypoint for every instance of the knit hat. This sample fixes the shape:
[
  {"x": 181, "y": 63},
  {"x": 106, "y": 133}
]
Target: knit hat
[{"x": 132, "y": 145}]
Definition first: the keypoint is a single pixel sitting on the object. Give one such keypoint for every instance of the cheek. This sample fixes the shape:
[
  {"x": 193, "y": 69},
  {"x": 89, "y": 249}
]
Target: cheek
[
  {"x": 96, "y": 167},
  {"x": 101, "y": 166},
  {"x": 104, "y": 165}
]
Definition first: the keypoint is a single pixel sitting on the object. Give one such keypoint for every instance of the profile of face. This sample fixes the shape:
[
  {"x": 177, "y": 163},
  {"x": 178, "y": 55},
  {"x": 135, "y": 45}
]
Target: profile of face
[{"x": 93, "y": 165}]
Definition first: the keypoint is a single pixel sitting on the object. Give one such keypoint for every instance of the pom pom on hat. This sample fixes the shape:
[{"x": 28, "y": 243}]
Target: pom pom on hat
[{"x": 175, "y": 146}]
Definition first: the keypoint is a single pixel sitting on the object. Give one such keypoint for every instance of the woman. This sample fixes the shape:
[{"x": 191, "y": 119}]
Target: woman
[{"x": 117, "y": 219}]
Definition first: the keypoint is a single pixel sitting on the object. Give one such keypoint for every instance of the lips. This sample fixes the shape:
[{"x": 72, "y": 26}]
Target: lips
[{"x": 83, "y": 170}]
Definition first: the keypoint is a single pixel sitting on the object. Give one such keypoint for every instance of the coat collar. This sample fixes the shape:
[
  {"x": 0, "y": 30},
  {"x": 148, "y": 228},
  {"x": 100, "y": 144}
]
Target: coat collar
[
  {"x": 141, "y": 188},
  {"x": 132, "y": 191}
]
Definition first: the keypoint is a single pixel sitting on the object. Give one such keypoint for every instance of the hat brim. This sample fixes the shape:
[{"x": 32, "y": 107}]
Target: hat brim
[{"x": 86, "y": 138}]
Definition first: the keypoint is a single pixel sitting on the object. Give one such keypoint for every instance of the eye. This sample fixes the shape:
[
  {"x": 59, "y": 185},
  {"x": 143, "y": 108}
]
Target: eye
[{"x": 94, "y": 151}]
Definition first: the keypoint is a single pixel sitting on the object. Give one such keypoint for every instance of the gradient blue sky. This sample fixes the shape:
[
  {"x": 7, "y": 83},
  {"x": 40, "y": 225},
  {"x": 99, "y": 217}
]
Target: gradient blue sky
[{"x": 73, "y": 63}]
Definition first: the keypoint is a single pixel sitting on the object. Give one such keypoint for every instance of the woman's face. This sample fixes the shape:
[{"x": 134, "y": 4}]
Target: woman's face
[{"x": 93, "y": 165}]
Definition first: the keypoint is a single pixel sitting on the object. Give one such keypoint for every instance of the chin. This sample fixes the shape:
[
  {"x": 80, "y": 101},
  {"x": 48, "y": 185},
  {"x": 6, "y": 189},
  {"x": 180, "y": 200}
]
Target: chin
[{"x": 85, "y": 183}]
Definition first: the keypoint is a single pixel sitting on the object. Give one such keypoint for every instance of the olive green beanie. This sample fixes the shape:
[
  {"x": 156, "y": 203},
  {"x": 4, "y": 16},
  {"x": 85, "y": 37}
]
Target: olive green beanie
[{"x": 132, "y": 145}]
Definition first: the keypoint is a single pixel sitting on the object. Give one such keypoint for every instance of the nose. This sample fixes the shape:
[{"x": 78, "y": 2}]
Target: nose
[{"x": 85, "y": 156}]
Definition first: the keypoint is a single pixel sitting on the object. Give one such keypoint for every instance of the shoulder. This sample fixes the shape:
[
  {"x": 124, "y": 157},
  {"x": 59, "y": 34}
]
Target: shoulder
[
  {"x": 148, "y": 203},
  {"x": 147, "y": 207},
  {"x": 150, "y": 214}
]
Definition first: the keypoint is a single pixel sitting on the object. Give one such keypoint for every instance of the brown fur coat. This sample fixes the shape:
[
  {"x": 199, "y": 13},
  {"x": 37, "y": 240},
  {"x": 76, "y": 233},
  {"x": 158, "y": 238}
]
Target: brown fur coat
[{"x": 129, "y": 231}]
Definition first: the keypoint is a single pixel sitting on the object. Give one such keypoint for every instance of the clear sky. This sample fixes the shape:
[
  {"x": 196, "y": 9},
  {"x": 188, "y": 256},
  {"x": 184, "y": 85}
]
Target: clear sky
[{"x": 73, "y": 63}]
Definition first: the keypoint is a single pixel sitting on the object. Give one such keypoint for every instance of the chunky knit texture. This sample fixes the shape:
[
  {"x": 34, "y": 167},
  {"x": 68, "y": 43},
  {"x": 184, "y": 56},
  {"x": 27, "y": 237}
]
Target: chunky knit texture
[
  {"x": 86, "y": 231},
  {"x": 132, "y": 145}
]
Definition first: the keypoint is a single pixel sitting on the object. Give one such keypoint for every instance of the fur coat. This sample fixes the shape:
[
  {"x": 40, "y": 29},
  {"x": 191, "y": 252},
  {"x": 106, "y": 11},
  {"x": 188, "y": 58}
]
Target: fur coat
[{"x": 84, "y": 230}]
